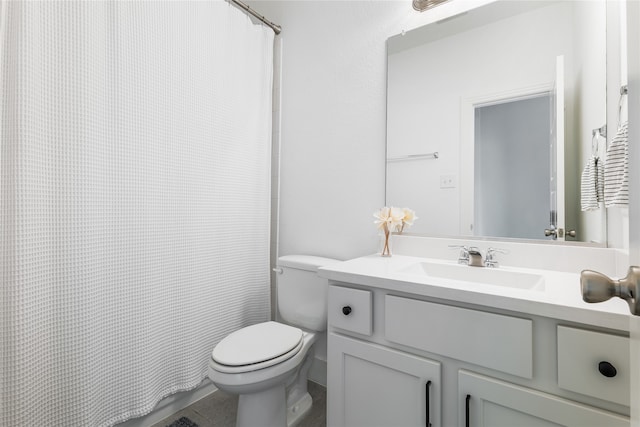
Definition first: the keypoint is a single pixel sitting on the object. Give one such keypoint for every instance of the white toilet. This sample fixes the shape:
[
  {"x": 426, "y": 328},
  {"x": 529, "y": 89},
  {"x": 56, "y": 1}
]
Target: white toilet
[{"x": 267, "y": 363}]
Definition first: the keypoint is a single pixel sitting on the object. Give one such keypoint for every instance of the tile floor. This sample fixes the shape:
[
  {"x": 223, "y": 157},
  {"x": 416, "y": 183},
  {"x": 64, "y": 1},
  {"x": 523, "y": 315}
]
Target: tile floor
[{"x": 219, "y": 410}]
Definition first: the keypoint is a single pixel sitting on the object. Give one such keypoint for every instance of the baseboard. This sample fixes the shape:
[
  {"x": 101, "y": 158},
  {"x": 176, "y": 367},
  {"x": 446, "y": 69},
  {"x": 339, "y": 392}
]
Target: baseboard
[
  {"x": 318, "y": 372},
  {"x": 172, "y": 404}
]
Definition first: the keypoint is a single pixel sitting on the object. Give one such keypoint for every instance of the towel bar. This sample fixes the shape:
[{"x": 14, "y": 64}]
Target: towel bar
[{"x": 433, "y": 155}]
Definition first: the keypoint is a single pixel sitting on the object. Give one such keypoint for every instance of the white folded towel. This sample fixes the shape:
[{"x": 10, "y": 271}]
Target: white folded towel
[
  {"x": 592, "y": 185},
  {"x": 616, "y": 170}
]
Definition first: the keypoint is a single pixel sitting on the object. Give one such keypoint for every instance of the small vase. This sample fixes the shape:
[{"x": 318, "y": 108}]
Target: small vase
[{"x": 386, "y": 242}]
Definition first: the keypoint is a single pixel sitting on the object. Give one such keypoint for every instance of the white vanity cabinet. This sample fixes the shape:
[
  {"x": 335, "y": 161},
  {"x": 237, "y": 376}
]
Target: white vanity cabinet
[{"x": 397, "y": 359}]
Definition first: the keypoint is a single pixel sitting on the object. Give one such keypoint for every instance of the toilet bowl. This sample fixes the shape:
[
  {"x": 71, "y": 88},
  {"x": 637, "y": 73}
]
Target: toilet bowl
[{"x": 267, "y": 364}]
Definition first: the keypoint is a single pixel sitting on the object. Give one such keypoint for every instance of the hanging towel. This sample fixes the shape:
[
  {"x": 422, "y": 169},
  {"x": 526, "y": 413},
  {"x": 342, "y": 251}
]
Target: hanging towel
[
  {"x": 592, "y": 185},
  {"x": 616, "y": 170}
]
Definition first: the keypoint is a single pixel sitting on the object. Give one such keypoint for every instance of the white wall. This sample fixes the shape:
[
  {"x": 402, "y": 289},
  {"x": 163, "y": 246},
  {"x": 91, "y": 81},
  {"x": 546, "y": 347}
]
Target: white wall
[
  {"x": 617, "y": 217},
  {"x": 591, "y": 23},
  {"x": 332, "y": 131}
]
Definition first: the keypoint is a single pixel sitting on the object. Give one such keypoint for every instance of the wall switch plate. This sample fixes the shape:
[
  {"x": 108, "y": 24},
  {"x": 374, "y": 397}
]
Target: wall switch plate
[{"x": 448, "y": 181}]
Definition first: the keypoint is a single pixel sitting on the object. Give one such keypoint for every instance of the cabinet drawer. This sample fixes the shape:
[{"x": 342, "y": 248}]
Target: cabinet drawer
[
  {"x": 499, "y": 342},
  {"x": 350, "y": 309},
  {"x": 580, "y": 354}
]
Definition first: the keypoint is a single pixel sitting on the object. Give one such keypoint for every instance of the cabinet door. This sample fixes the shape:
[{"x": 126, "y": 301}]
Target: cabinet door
[
  {"x": 370, "y": 385},
  {"x": 486, "y": 402}
]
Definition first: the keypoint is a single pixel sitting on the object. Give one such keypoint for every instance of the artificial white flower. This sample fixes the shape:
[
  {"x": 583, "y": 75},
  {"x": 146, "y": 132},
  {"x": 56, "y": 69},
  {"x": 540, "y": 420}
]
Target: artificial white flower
[
  {"x": 389, "y": 218},
  {"x": 381, "y": 217},
  {"x": 407, "y": 219},
  {"x": 409, "y": 216}
]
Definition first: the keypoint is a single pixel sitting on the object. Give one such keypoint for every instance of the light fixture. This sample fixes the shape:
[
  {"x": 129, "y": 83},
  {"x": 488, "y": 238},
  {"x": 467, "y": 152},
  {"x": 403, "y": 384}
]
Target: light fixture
[{"x": 422, "y": 5}]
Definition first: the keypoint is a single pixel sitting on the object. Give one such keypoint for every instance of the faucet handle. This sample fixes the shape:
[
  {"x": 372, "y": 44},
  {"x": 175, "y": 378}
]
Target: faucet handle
[
  {"x": 463, "y": 258},
  {"x": 490, "y": 259}
]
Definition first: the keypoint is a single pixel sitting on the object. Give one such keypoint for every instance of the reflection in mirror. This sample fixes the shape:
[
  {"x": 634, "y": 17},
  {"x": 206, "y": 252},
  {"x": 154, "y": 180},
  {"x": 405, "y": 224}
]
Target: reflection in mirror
[
  {"x": 512, "y": 168},
  {"x": 446, "y": 78}
]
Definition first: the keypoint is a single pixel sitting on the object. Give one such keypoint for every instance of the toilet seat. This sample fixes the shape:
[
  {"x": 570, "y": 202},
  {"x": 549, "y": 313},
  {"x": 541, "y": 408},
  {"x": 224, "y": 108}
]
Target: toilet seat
[{"x": 257, "y": 347}]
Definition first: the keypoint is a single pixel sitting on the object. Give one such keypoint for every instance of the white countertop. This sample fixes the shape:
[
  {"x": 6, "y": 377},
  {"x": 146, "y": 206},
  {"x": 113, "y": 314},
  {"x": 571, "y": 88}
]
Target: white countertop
[{"x": 560, "y": 298}]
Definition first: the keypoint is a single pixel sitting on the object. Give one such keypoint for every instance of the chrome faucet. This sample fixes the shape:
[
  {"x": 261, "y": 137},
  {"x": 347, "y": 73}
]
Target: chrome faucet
[{"x": 471, "y": 256}]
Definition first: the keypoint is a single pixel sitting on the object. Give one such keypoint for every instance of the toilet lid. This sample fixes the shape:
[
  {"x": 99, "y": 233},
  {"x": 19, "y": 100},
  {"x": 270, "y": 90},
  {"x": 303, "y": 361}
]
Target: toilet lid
[{"x": 257, "y": 343}]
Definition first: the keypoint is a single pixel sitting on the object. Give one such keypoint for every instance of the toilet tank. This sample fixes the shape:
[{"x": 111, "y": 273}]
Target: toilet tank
[{"x": 302, "y": 295}]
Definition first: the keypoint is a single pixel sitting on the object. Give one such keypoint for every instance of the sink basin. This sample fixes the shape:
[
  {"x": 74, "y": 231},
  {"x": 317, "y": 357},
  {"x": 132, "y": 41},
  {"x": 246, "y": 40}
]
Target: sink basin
[{"x": 487, "y": 276}]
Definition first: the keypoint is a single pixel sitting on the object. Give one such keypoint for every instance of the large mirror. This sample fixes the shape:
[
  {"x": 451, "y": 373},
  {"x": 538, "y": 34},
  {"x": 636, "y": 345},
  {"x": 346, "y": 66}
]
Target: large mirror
[{"x": 492, "y": 116}]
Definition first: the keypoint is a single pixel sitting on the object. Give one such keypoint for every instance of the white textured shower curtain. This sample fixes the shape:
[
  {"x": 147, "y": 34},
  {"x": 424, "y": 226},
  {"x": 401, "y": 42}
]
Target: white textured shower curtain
[{"x": 135, "y": 168}]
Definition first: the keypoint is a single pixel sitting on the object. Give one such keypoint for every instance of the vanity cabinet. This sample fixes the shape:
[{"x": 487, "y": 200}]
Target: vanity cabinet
[{"x": 397, "y": 359}]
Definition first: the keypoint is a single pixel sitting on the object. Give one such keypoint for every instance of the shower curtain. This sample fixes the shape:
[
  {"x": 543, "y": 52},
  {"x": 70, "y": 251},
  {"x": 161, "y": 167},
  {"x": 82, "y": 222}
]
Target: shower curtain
[{"x": 135, "y": 201}]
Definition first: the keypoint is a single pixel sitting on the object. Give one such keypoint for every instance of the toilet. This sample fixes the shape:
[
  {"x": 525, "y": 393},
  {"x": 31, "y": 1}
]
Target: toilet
[{"x": 267, "y": 364}]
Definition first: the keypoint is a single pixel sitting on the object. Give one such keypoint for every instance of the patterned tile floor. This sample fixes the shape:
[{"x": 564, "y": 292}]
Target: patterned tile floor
[{"x": 219, "y": 410}]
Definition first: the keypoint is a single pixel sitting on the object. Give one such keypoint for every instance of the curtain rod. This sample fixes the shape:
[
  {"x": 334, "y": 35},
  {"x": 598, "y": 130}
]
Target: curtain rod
[{"x": 275, "y": 27}]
